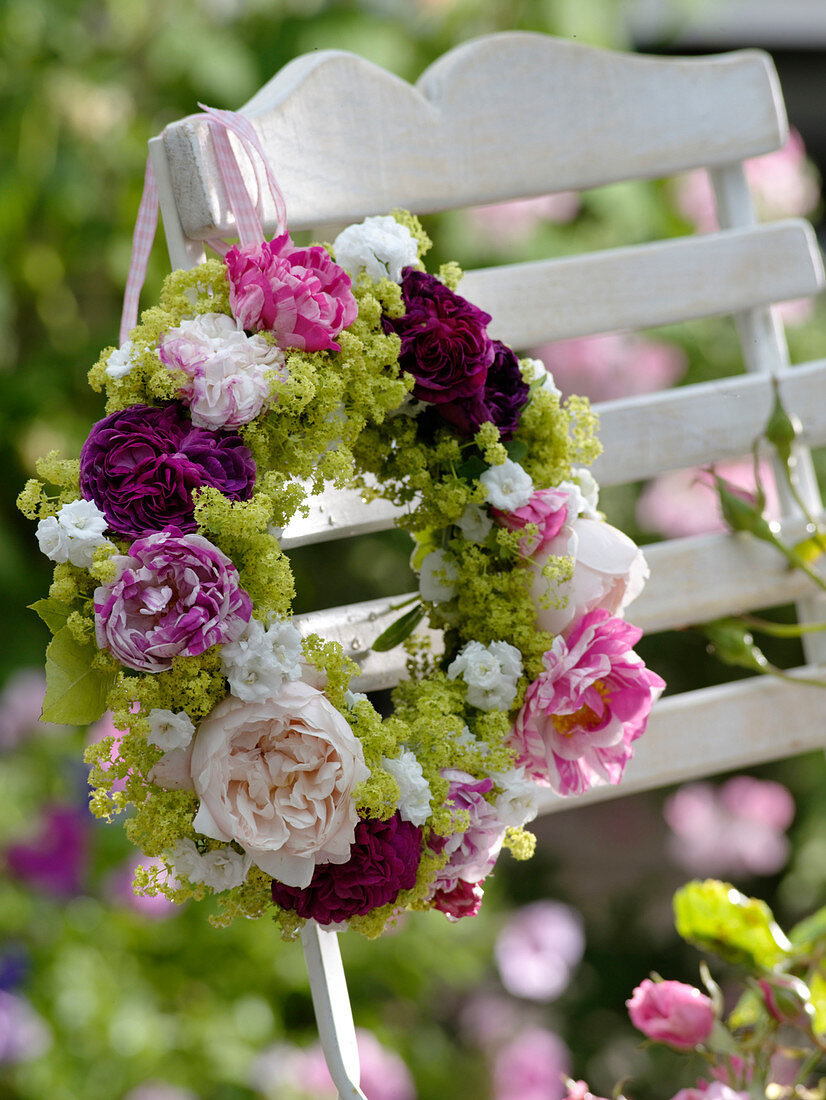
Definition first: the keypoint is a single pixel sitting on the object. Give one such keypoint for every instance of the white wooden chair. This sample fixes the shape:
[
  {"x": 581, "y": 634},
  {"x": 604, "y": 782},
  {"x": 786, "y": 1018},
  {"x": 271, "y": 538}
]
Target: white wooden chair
[{"x": 516, "y": 115}]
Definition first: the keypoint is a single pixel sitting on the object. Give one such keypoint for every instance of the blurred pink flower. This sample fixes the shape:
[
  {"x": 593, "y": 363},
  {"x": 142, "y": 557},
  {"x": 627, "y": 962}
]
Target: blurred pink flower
[
  {"x": 531, "y": 1067},
  {"x": 507, "y": 222},
  {"x": 578, "y": 1090},
  {"x": 538, "y": 949},
  {"x": 55, "y": 860},
  {"x": 159, "y": 1090},
  {"x": 783, "y": 185},
  {"x": 685, "y": 502},
  {"x": 671, "y": 1012},
  {"x": 604, "y": 368},
  {"x": 735, "y": 829},
  {"x": 714, "y": 1091},
  {"x": 24, "y": 1035},
  {"x": 121, "y": 890},
  {"x": 20, "y": 704},
  {"x": 488, "y": 1018},
  {"x": 796, "y": 312}
]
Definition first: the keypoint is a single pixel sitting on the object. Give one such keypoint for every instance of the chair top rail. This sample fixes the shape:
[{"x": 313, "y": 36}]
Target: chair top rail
[
  {"x": 714, "y": 730},
  {"x": 641, "y": 436},
  {"x": 693, "y": 580},
  {"x": 386, "y": 143},
  {"x": 647, "y": 285}
]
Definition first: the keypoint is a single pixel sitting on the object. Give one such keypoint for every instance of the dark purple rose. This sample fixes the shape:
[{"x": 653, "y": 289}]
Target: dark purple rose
[
  {"x": 140, "y": 466},
  {"x": 445, "y": 344},
  {"x": 56, "y": 858},
  {"x": 504, "y": 396},
  {"x": 174, "y": 595},
  {"x": 383, "y": 860}
]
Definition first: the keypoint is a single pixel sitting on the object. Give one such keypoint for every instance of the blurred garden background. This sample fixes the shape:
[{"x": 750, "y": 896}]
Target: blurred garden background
[{"x": 104, "y": 996}]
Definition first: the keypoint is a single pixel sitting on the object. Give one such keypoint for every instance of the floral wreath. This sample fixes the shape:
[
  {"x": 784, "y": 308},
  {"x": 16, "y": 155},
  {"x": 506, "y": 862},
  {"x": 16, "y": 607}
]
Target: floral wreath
[{"x": 248, "y": 763}]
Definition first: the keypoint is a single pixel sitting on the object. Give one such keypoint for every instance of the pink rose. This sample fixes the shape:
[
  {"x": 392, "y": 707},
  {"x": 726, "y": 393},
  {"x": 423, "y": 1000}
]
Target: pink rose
[
  {"x": 609, "y": 572},
  {"x": 547, "y": 508},
  {"x": 582, "y": 714},
  {"x": 714, "y": 1091},
  {"x": 671, "y": 1012},
  {"x": 278, "y": 777},
  {"x": 299, "y": 294}
]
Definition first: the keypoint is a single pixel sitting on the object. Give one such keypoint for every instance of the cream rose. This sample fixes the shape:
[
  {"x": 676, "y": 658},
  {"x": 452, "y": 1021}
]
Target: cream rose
[
  {"x": 609, "y": 572},
  {"x": 278, "y": 777}
]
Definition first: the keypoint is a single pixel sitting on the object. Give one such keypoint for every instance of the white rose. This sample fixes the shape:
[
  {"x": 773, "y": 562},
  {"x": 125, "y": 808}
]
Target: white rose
[
  {"x": 414, "y": 790},
  {"x": 490, "y": 672},
  {"x": 224, "y": 869},
  {"x": 168, "y": 730},
  {"x": 437, "y": 577},
  {"x": 120, "y": 363},
  {"x": 185, "y": 861},
  {"x": 262, "y": 659},
  {"x": 74, "y": 534},
  {"x": 53, "y": 540},
  {"x": 519, "y": 801},
  {"x": 609, "y": 572},
  {"x": 228, "y": 371},
  {"x": 278, "y": 778},
  {"x": 474, "y": 524},
  {"x": 381, "y": 246},
  {"x": 508, "y": 486}
]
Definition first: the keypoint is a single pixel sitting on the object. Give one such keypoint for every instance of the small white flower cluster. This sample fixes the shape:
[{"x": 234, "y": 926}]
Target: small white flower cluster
[
  {"x": 220, "y": 869},
  {"x": 380, "y": 246},
  {"x": 120, "y": 362},
  {"x": 508, "y": 486},
  {"x": 170, "y": 731},
  {"x": 437, "y": 577},
  {"x": 547, "y": 379},
  {"x": 518, "y": 802},
  {"x": 583, "y": 490},
  {"x": 414, "y": 790},
  {"x": 262, "y": 659},
  {"x": 73, "y": 534},
  {"x": 474, "y": 524},
  {"x": 491, "y": 673}
]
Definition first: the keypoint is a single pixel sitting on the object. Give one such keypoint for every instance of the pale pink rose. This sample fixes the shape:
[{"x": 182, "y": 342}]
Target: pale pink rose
[
  {"x": 508, "y": 222},
  {"x": 735, "y": 829},
  {"x": 227, "y": 371},
  {"x": 604, "y": 368},
  {"x": 783, "y": 185},
  {"x": 538, "y": 949},
  {"x": 547, "y": 508},
  {"x": 278, "y": 777},
  {"x": 609, "y": 572},
  {"x": 531, "y": 1067},
  {"x": 582, "y": 715},
  {"x": 672, "y": 1012},
  {"x": 685, "y": 502}
]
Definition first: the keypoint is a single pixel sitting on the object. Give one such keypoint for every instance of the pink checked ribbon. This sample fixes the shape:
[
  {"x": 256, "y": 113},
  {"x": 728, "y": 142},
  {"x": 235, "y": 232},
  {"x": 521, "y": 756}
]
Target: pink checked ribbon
[{"x": 246, "y": 212}]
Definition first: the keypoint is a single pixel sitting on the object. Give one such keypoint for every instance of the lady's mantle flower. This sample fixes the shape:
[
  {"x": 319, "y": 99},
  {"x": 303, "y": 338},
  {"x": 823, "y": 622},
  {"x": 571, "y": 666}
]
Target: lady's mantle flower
[
  {"x": 220, "y": 869},
  {"x": 73, "y": 534},
  {"x": 298, "y": 294},
  {"x": 383, "y": 860},
  {"x": 228, "y": 372},
  {"x": 445, "y": 344},
  {"x": 170, "y": 731},
  {"x": 174, "y": 595},
  {"x": 508, "y": 486},
  {"x": 381, "y": 246},
  {"x": 582, "y": 714},
  {"x": 278, "y": 778},
  {"x": 414, "y": 790},
  {"x": 262, "y": 659},
  {"x": 491, "y": 673},
  {"x": 140, "y": 466},
  {"x": 437, "y": 577}
]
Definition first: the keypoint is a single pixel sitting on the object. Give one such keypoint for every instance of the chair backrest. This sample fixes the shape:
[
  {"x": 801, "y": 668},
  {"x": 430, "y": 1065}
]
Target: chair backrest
[{"x": 517, "y": 115}]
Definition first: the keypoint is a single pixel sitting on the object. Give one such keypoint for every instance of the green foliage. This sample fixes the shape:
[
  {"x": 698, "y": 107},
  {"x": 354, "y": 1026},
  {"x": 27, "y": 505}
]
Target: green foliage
[
  {"x": 715, "y": 917},
  {"x": 77, "y": 686}
]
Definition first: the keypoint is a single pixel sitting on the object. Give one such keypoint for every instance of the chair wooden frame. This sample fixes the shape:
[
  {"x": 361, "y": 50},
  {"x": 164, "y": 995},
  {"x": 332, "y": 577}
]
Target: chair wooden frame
[{"x": 511, "y": 116}]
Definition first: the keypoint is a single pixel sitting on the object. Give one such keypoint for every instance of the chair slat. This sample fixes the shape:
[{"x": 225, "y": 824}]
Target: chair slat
[
  {"x": 693, "y": 580},
  {"x": 717, "y": 729},
  {"x": 429, "y": 147},
  {"x": 648, "y": 285},
  {"x": 641, "y": 436}
]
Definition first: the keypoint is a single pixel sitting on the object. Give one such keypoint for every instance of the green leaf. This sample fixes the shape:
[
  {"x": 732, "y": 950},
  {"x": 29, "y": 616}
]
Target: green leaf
[
  {"x": 810, "y": 934},
  {"x": 399, "y": 630},
  {"x": 75, "y": 691},
  {"x": 517, "y": 449},
  {"x": 54, "y": 613},
  {"x": 715, "y": 917},
  {"x": 472, "y": 469},
  {"x": 817, "y": 988}
]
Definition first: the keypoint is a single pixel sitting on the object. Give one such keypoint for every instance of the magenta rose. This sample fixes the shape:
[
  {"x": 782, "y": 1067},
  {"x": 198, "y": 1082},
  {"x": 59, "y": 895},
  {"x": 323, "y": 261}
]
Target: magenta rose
[
  {"x": 174, "y": 595},
  {"x": 671, "y": 1012},
  {"x": 582, "y": 714},
  {"x": 547, "y": 508},
  {"x": 464, "y": 900},
  {"x": 384, "y": 860},
  {"x": 502, "y": 400},
  {"x": 299, "y": 294},
  {"x": 140, "y": 466},
  {"x": 444, "y": 340}
]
